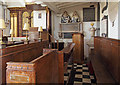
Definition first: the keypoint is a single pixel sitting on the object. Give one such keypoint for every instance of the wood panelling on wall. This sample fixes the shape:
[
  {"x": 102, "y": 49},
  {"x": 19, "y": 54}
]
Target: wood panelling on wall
[{"x": 108, "y": 50}]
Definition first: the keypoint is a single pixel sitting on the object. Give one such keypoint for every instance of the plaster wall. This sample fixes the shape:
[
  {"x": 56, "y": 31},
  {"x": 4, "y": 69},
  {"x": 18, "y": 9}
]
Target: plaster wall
[{"x": 112, "y": 25}]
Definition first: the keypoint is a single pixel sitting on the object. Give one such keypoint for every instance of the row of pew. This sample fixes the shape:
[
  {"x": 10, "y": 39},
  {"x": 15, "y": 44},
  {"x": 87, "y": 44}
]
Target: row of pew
[{"x": 33, "y": 63}]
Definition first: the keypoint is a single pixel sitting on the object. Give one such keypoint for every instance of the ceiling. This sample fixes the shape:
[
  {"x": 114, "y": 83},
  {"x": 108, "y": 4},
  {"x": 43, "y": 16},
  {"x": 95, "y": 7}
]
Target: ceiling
[
  {"x": 59, "y": 6},
  {"x": 55, "y": 5},
  {"x": 62, "y": 5}
]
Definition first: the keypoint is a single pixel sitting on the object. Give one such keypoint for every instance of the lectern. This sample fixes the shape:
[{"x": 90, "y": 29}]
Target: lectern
[{"x": 78, "y": 52}]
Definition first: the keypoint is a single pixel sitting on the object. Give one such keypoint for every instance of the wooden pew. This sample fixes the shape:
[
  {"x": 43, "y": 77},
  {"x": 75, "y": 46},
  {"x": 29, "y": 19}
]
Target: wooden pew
[
  {"x": 45, "y": 43},
  {"x": 18, "y": 53},
  {"x": 108, "y": 51},
  {"x": 44, "y": 69},
  {"x": 48, "y": 68},
  {"x": 67, "y": 51},
  {"x": 68, "y": 60},
  {"x": 65, "y": 58}
]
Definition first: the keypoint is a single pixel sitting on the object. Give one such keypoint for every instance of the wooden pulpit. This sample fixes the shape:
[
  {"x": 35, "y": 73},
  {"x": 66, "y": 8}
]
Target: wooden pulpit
[{"x": 78, "y": 52}]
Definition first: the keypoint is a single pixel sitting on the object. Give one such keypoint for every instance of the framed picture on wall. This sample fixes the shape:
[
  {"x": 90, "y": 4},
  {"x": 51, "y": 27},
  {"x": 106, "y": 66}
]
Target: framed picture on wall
[{"x": 39, "y": 16}]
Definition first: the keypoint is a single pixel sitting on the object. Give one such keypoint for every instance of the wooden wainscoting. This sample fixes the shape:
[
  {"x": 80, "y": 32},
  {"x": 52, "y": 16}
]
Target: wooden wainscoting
[{"x": 108, "y": 50}]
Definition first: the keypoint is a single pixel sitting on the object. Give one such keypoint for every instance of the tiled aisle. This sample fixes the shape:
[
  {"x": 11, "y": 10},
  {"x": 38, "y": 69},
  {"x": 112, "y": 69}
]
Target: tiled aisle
[{"x": 79, "y": 75}]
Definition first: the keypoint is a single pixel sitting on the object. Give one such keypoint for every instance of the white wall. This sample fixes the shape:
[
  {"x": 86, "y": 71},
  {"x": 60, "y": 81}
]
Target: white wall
[
  {"x": 39, "y": 21},
  {"x": 79, "y": 10},
  {"x": 119, "y": 21},
  {"x": 5, "y": 13},
  {"x": 7, "y": 30},
  {"x": 87, "y": 36},
  {"x": 112, "y": 30},
  {"x": 86, "y": 25}
]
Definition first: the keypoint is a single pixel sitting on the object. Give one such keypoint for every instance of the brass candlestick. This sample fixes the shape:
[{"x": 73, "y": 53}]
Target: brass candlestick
[
  {"x": 1, "y": 40},
  {"x": 26, "y": 28},
  {"x": 26, "y": 35},
  {"x": 40, "y": 30},
  {"x": 11, "y": 32}
]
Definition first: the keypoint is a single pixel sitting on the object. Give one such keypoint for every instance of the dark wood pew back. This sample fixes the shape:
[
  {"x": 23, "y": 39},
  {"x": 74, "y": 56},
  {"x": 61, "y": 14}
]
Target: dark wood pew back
[
  {"x": 45, "y": 43},
  {"x": 68, "y": 55},
  {"x": 67, "y": 51},
  {"x": 108, "y": 50},
  {"x": 46, "y": 68}
]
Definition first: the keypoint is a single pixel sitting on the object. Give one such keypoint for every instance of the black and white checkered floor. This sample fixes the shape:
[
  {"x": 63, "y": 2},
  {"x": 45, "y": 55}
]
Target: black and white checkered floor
[{"x": 78, "y": 74}]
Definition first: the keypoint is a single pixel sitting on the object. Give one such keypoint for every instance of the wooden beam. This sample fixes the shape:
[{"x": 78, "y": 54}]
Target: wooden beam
[
  {"x": 35, "y": 7},
  {"x": 66, "y": 4},
  {"x": 53, "y": 7},
  {"x": 72, "y": 5}
]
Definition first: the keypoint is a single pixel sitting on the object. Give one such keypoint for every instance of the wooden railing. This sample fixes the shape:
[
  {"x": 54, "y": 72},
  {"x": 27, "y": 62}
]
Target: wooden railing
[{"x": 108, "y": 51}]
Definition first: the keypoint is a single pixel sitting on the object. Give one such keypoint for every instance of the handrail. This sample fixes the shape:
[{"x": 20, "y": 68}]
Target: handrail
[{"x": 54, "y": 41}]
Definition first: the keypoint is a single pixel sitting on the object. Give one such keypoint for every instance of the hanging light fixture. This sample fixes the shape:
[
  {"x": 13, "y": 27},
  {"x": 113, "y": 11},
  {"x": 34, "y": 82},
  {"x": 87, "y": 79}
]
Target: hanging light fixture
[{"x": 43, "y": 5}]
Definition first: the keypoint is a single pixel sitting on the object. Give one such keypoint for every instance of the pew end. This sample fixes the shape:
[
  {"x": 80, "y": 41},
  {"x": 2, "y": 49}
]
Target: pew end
[
  {"x": 47, "y": 68},
  {"x": 20, "y": 72}
]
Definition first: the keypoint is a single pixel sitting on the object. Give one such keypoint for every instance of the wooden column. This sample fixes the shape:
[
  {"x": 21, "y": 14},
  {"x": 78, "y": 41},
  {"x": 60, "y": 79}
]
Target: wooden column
[
  {"x": 20, "y": 23},
  {"x": 49, "y": 22}
]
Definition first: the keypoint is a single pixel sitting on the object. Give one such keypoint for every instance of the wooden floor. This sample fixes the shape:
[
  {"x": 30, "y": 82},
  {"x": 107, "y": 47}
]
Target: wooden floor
[{"x": 101, "y": 72}]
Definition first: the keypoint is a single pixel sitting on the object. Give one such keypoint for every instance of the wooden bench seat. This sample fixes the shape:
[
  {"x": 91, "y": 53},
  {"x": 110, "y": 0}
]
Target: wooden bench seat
[
  {"x": 67, "y": 51},
  {"x": 101, "y": 73},
  {"x": 68, "y": 59}
]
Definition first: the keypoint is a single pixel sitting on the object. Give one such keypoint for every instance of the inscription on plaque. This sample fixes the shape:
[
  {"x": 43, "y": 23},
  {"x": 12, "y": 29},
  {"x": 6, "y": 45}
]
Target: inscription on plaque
[{"x": 19, "y": 78}]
